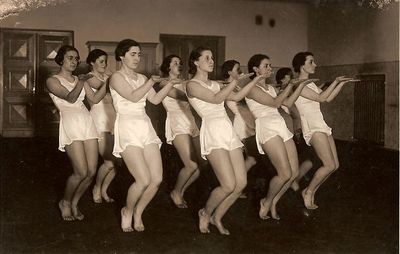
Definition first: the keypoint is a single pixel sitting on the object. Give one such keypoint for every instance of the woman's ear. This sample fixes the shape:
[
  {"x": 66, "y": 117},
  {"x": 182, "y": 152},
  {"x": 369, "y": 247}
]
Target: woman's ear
[{"x": 255, "y": 69}]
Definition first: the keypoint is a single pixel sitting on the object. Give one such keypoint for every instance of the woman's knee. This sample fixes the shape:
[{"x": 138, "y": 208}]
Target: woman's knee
[
  {"x": 228, "y": 187},
  {"x": 240, "y": 185},
  {"x": 330, "y": 165},
  {"x": 80, "y": 175},
  {"x": 156, "y": 180},
  {"x": 285, "y": 175}
]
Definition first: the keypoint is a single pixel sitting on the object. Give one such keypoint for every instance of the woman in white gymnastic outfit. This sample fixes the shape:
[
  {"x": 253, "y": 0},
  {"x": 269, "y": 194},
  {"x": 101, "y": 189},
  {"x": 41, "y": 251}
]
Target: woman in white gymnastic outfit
[
  {"x": 272, "y": 134},
  {"x": 103, "y": 114},
  {"x": 135, "y": 138},
  {"x": 77, "y": 135},
  {"x": 219, "y": 143},
  {"x": 315, "y": 131},
  {"x": 243, "y": 120},
  {"x": 180, "y": 129}
]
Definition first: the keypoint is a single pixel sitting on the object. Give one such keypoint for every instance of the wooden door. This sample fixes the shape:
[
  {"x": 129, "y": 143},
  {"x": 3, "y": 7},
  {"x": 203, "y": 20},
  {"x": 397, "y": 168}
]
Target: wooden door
[
  {"x": 19, "y": 50},
  {"x": 27, "y": 61},
  {"x": 46, "y": 114},
  {"x": 182, "y": 45}
]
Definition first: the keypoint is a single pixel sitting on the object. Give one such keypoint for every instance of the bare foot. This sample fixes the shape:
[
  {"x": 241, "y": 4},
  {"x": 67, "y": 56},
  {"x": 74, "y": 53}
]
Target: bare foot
[
  {"x": 177, "y": 199},
  {"x": 222, "y": 230},
  {"x": 308, "y": 200},
  {"x": 204, "y": 220},
  {"x": 263, "y": 210},
  {"x": 126, "y": 220},
  {"x": 106, "y": 197},
  {"x": 137, "y": 222},
  {"x": 295, "y": 186},
  {"x": 96, "y": 195},
  {"x": 274, "y": 213},
  {"x": 77, "y": 214},
  {"x": 65, "y": 208}
]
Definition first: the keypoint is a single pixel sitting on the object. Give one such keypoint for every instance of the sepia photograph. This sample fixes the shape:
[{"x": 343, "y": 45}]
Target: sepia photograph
[{"x": 199, "y": 126}]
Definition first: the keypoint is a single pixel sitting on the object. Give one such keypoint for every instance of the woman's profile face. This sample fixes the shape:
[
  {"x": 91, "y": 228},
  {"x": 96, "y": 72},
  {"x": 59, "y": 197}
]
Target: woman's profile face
[
  {"x": 175, "y": 67},
  {"x": 132, "y": 57},
  {"x": 100, "y": 64},
  {"x": 206, "y": 61},
  {"x": 264, "y": 68},
  {"x": 309, "y": 65},
  {"x": 71, "y": 60}
]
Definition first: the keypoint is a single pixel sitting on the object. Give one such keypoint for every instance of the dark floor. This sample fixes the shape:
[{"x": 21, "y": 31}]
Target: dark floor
[{"x": 358, "y": 210}]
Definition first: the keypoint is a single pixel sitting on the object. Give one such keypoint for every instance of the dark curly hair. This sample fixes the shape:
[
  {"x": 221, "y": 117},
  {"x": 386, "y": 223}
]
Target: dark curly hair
[
  {"x": 164, "y": 68},
  {"x": 93, "y": 55},
  {"x": 281, "y": 73},
  {"x": 299, "y": 59},
  {"x": 255, "y": 61},
  {"x": 123, "y": 47},
  {"x": 227, "y": 66},
  {"x": 61, "y": 53},
  {"x": 194, "y": 56}
]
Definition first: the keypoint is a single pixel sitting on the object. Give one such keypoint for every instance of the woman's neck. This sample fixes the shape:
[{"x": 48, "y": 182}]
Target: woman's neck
[
  {"x": 303, "y": 75},
  {"x": 173, "y": 76},
  {"x": 64, "y": 73},
  {"x": 128, "y": 71},
  {"x": 201, "y": 75}
]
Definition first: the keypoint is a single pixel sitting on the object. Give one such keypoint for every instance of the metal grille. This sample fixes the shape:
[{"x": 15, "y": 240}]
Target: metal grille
[{"x": 369, "y": 109}]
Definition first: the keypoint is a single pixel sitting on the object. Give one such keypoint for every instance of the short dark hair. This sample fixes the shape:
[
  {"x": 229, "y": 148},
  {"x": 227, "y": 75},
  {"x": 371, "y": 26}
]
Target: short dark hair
[
  {"x": 61, "y": 53},
  {"x": 255, "y": 61},
  {"x": 123, "y": 47},
  {"x": 94, "y": 54},
  {"x": 299, "y": 59},
  {"x": 227, "y": 66},
  {"x": 164, "y": 68},
  {"x": 194, "y": 56},
  {"x": 281, "y": 73}
]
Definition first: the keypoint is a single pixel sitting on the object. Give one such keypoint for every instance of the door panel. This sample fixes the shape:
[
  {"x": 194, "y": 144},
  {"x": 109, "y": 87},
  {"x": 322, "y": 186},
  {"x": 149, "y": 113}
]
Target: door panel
[{"x": 18, "y": 83}]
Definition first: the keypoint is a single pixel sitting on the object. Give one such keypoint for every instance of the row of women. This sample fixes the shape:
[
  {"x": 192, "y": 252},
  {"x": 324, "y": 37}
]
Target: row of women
[{"x": 117, "y": 125}]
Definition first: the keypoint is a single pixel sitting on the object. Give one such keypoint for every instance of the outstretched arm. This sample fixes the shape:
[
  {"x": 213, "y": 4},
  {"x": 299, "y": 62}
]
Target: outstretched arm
[
  {"x": 237, "y": 96},
  {"x": 289, "y": 101},
  {"x": 175, "y": 93},
  {"x": 195, "y": 90},
  {"x": 157, "y": 97},
  {"x": 260, "y": 96},
  {"x": 338, "y": 88},
  {"x": 323, "y": 96},
  {"x": 95, "y": 97},
  {"x": 55, "y": 87},
  {"x": 119, "y": 84}
]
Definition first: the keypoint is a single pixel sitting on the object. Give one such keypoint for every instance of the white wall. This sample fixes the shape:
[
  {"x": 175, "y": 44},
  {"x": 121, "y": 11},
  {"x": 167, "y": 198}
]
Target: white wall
[{"x": 144, "y": 20}]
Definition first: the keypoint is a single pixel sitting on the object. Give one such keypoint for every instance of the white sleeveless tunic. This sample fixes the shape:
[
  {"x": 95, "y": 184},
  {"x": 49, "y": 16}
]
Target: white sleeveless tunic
[
  {"x": 103, "y": 112},
  {"x": 76, "y": 124},
  {"x": 311, "y": 116},
  {"x": 216, "y": 130},
  {"x": 243, "y": 120},
  {"x": 269, "y": 122},
  {"x": 132, "y": 125},
  {"x": 179, "y": 119}
]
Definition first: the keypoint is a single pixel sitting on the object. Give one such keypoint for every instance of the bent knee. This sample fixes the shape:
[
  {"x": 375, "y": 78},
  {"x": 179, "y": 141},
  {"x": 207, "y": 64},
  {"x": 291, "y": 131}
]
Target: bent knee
[
  {"x": 228, "y": 187},
  {"x": 240, "y": 185},
  {"x": 156, "y": 180}
]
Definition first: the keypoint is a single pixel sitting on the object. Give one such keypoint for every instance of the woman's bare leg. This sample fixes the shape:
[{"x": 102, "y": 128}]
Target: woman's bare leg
[
  {"x": 294, "y": 166},
  {"x": 134, "y": 159},
  {"x": 152, "y": 157},
  {"x": 276, "y": 151},
  {"x": 223, "y": 169},
  {"x": 322, "y": 147},
  {"x": 184, "y": 147},
  {"x": 240, "y": 174},
  {"x": 91, "y": 156},
  {"x": 106, "y": 172}
]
